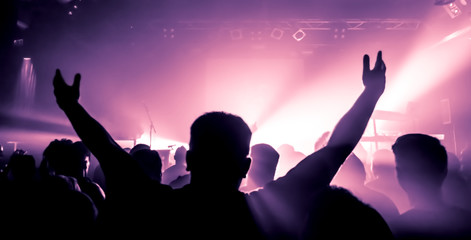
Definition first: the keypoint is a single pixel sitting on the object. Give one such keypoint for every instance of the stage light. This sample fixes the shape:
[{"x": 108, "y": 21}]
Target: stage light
[
  {"x": 236, "y": 34},
  {"x": 339, "y": 33},
  {"x": 277, "y": 33},
  {"x": 18, "y": 42},
  {"x": 168, "y": 32},
  {"x": 22, "y": 25},
  {"x": 443, "y": 2},
  {"x": 256, "y": 35},
  {"x": 299, "y": 35},
  {"x": 453, "y": 10}
]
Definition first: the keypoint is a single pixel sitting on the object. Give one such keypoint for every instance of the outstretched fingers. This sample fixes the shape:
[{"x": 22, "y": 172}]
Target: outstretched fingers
[
  {"x": 58, "y": 79},
  {"x": 379, "y": 65},
  {"x": 76, "y": 84},
  {"x": 366, "y": 63}
]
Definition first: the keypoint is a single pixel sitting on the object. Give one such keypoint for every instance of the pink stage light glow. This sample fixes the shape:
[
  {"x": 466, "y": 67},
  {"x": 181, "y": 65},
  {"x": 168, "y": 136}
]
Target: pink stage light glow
[
  {"x": 278, "y": 101},
  {"x": 428, "y": 66},
  {"x": 157, "y": 143}
]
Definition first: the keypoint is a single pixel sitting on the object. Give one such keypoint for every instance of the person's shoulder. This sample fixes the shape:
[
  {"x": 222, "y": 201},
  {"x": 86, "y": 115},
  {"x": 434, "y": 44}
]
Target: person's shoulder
[
  {"x": 170, "y": 169},
  {"x": 180, "y": 181}
]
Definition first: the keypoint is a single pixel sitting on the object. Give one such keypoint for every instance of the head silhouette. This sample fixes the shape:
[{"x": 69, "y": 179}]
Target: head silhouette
[
  {"x": 351, "y": 173},
  {"x": 264, "y": 162},
  {"x": 421, "y": 164},
  {"x": 180, "y": 155},
  {"x": 150, "y": 162},
  {"x": 64, "y": 157},
  {"x": 21, "y": 167},
  {"x": 219, "y": 145},
  {"x": 138, "y": 147}
]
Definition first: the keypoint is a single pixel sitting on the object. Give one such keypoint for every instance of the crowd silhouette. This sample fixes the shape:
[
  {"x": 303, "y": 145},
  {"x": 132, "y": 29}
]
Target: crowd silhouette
[
  {"x": 224, "y": 187},
  {"x": 263, "y": 167},
  {"x": 352, "y": 176},
  {"x": 421, "y": 163}
]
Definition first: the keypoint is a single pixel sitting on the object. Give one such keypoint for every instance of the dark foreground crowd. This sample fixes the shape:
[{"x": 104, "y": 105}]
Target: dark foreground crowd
[{"x": 324, "y": 196}]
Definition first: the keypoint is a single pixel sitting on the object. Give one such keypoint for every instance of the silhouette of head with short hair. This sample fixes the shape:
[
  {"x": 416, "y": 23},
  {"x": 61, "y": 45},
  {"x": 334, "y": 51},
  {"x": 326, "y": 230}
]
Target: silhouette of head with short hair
[
  {"x": 180, "y": 155},
  {"x": 177, "y": 171},
  {"x": 421, "y": 165},
  {"x": 138, "y": 147},
  {"x": 264, "y": 161},
  {"x": 21, "y": 167},
  {"x": 219, "y": 145},
  {"x": 64, "y": 157},
  {"x": 150, "y": 162},
  {"x": 351, "y": 173}
]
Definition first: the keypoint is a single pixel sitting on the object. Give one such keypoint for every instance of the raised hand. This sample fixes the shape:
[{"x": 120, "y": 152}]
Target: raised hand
[
  {"x": 376, "y": 78},
  {"x": 64, "y": 93}
]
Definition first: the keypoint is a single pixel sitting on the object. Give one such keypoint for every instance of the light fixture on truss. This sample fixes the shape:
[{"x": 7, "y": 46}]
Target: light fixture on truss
[
  {"x": 277, "y": 33},
  {"x": 236, "y": 34},
  {"x": 452, "y": 9},
  {"x": 299, "y": 35}
]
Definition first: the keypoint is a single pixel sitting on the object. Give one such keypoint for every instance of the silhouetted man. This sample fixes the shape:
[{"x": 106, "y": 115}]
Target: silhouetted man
[
  {"x": 211, "y": 206},
  {"x": 421, "y": 163}
]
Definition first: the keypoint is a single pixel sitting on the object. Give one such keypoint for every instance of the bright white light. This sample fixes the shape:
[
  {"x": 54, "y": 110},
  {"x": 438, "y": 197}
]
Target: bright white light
[
  {"x": 453, "y": 10},
  {"x": 250, "y": 88},
  {"x": 299, "y": 35},
  {"x": 426, "y": 68},
  {"x": 159, "y": 143}
]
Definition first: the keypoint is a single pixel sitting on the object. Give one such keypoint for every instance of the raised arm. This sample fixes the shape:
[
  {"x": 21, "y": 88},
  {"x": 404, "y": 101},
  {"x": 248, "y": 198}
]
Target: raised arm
[
  {"x": 318, "y": 169},
  {"x": 351, "y": 126},
  {"x": 117, "y": 165}
]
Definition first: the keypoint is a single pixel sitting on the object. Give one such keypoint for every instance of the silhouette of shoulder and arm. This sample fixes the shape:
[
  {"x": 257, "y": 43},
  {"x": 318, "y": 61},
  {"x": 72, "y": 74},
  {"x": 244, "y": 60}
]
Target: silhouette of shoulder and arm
[
  {"x": 114, "y": 160},
  {"x": 129, "y": 190},
  {"x": 224, "y": 210},
  {"x": 283, "y": 202},
  {"x": 339, "y": 214}
]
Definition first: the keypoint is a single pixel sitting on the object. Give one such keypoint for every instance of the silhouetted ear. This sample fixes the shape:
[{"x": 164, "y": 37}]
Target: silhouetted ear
[
  {"x": 245, "y": 167},
  {"x": 190, "y": 155}
]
